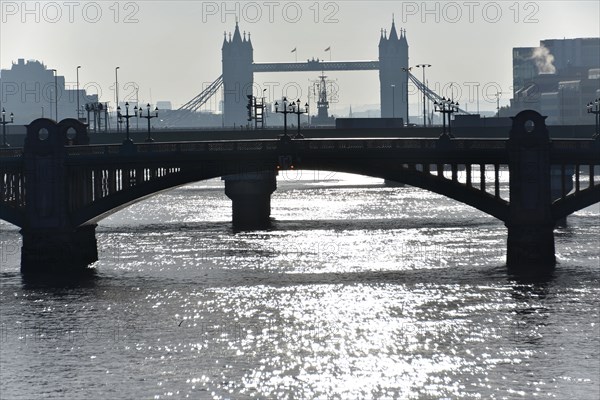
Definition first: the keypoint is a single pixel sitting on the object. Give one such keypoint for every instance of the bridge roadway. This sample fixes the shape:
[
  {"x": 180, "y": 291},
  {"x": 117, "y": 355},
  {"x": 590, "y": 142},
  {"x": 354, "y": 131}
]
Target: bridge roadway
[
  {"x": 56, "y": 192},
  {"x": 316, "y": 66}
]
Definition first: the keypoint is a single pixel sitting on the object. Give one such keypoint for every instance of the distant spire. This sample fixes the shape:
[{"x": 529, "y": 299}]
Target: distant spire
[
  {"x": 244, "y": 36},
  {"x": 393, "y": 33},
  {"x": 237, "y": 37},
  {"x": 249, "y": 41},
  {"x": 225, "y": 42}
]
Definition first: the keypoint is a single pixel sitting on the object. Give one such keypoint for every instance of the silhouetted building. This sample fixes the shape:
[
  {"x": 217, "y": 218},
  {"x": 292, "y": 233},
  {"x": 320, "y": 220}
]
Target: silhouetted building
[
  {"x": 28, "y": 91},
  {"x": 393, "y": 56},
  {"x": 238, "y": 77},
  {"x": 557, "y": 79},
  {"x": 164, "y": 105}
]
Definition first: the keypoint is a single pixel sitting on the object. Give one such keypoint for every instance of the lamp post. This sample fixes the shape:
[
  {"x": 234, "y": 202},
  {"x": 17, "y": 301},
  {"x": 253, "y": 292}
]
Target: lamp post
[
  {"x": 424, "y": 87},
  {"x": 4, "y": 122},
  {"x": 137, "y": 103},
  {"x": 407, "y": 70},
  {"x": 286, "y": 110},
  {"x": 264, "y": 110},
  {"x": 148, "y": 116},
  {"x": 126, "y": 116},
  {"x": 296, "y": 110},
  {"x": 78, "y": 110},
  {"x": 593, "y": 107},
  {"x": 393, "y": 101},
  {"x": 498, "y": 104},
  {"x": 446, "y": 106},
  {"x": 117, "y": 94},
  {"x": 55, "y": 94}
]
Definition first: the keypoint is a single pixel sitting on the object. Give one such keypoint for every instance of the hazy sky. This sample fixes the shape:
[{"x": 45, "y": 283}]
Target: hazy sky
[{"x": 171, "y": 49}]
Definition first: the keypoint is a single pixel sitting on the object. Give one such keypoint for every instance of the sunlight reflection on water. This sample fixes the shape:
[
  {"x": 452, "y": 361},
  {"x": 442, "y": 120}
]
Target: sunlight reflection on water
[{"x": 357, "y": 291}]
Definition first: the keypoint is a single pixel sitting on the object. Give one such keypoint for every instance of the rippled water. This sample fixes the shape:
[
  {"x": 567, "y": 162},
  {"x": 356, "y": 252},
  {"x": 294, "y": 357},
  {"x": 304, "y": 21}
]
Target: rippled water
[{"x": 357, "y": 291}]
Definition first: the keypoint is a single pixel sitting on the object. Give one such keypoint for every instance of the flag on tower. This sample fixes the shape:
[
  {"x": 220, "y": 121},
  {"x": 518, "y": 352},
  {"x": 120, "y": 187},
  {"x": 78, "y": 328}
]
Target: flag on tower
[
  {"x": 327, "y": 49},
  {"x": 293, "y": 51}
]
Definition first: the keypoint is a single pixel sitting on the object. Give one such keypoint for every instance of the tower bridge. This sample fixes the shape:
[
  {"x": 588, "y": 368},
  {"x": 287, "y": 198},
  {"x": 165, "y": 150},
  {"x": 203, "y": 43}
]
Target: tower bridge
[
  {"x": 239, "y": 68},
  {"x": 57, "y": 187}
]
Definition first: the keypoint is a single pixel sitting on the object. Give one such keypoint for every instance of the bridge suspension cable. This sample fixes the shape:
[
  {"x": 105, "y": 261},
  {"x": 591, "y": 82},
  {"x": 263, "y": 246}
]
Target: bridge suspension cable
[
  {"x": 430, "y": 94},
  {"x": 196, "y": 103},
  {"x": 201, "y": 99}
]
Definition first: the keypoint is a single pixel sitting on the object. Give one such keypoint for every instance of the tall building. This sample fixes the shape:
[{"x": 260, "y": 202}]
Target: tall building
[
  {"x": 238, "y": 77},
  {"x": 393, "y": 57},
  {"x": 28, "y": 90},
  {"x": 557, "y": 78}
]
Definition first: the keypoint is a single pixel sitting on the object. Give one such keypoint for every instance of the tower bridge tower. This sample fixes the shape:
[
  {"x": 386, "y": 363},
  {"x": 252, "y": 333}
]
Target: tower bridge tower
[
  {"x": 239, "y": 68},
  {"x": 393, "y": 56},
  {"x": 238, "y": 77}
]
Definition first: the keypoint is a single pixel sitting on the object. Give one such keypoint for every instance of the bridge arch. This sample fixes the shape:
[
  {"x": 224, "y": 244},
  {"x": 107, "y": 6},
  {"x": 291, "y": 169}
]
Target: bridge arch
[{"x": 476, "y": 198}]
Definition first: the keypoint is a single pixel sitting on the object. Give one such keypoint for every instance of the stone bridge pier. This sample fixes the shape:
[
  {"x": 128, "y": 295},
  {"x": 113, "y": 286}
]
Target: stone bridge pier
[
  {"x": 250, "y": 195},
  {"x": 530, "y": 242},
  {"x": 51, "y": 243}
]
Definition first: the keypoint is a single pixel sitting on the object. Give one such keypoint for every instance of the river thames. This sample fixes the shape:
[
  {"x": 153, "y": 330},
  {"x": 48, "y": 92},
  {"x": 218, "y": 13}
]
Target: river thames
[{"x": 357, "y": 291}]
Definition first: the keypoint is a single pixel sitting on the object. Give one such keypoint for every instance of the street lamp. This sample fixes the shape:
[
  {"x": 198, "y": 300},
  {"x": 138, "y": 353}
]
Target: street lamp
[
  {"x": 55, "y": 94},
  {"x": 286, "y": 110},
  {"x": 393, "y": 101},
  {"x": 117, "y": 94},
  {"x": 4, "y": 122},
  {"x": 593, "y": 107},
  {"x": 296, "y": 110},
  {"x": 78, "y": 110},
  {"x": 407, "y": 70},
  {"x": 424, "y": 87},
  {"x": 126, "y": 116},
  {"x": 446, "y": 106},
  {"x": 148, "y": 116},
  {"x": 498, "y": 104}
]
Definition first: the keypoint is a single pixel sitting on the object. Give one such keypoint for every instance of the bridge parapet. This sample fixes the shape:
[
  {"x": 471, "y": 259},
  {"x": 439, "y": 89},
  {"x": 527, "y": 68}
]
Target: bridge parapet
[
  {"x": 274, "y": 144},
  {"x": 11, "y": 152}
]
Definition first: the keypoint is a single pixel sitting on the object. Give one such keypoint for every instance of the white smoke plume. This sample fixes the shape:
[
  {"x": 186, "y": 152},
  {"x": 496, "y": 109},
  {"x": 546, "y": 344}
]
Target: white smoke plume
[{"x": 543, "y": 60}]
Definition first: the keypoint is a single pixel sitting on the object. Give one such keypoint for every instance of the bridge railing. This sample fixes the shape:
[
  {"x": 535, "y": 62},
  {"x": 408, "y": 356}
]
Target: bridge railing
[
  {"x": 11, "y": 152},
  {"x": 274, "y": 144},
  {"x": 573, "y": 144}
]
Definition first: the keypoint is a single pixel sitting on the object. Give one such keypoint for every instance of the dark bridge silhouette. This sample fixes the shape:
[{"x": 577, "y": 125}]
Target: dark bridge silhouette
[{"x": 57, "y": 187}]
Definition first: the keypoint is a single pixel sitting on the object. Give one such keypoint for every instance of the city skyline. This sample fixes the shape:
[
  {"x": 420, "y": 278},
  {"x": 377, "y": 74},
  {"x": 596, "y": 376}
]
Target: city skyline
[{"x": 155, "y": 45}]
